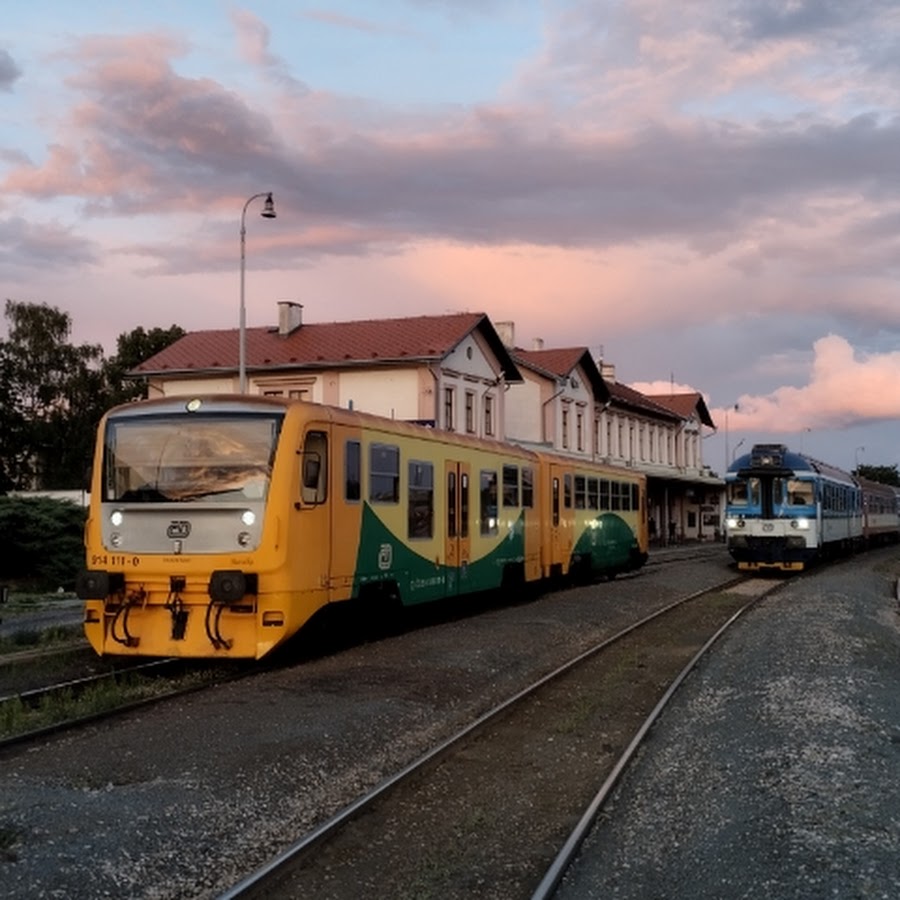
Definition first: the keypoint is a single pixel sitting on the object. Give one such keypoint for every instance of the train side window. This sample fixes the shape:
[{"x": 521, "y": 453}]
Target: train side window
[
  {"x": 593, "y": 493},
  {"x": 755, "y": 491},
  {"x": 555, "y": 501},
  {"x": 527, "y": 487},
  {"x": 451, "y": 504},
  {"x": 615, "y": 490},
  {"x": 800, "y": 493},
  {"x": 580, "y": 492},
  {"x": 352, "y": 470},
  {"x": 384, "y": 473},
  {"x": 604, "y": 495},
  {"x": 488, "y": 518},
  {"x": 420, "y": 507},
  {"x": 314, "y": 468},
  {"x": 567, "y": 491},
  {"x": 510, "y": 485},
  {"x": 464, "y": 504},
  {"x": 635, "y": 498}
]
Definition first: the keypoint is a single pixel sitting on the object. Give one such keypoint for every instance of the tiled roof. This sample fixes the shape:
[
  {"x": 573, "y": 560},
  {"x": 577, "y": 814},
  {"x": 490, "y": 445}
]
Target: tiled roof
[
  {"x": 316, "y": 345},
  {"x": 685, "y": 405},
  {"x": 561, "y": 362},
  {"x": 622, "y": 395}
]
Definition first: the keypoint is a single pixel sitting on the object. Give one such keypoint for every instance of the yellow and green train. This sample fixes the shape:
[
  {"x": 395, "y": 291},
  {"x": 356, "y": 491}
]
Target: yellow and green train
[{"x": 220, "y": 525}]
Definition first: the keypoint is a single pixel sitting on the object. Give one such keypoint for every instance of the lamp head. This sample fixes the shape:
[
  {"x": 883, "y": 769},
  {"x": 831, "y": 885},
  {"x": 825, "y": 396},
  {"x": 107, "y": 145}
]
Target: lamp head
[{"x": 268, "y": 211}]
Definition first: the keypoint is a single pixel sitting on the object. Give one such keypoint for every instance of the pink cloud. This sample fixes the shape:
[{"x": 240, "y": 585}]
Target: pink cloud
[{"x": 844, "y": 389}]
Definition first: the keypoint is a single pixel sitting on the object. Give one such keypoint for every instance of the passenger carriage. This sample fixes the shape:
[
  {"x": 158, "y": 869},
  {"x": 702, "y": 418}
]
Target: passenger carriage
[
  {"x": 784, "y": 510},
  {"x": 220, "y": 525}
]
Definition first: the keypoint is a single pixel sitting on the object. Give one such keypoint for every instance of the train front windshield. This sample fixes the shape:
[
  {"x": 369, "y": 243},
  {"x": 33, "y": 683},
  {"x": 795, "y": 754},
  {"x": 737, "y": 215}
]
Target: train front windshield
[{"x": 189, "y": 458}]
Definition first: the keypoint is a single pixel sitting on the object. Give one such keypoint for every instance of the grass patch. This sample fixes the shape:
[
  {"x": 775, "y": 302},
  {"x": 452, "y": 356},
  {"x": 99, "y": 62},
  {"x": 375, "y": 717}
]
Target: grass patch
[
  {"x": 39, "y": 638},
  {"x": 18, "y": 717}
]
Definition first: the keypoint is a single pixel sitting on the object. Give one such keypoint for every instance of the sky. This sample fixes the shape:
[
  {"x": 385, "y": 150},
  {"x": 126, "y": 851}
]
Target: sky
[{"x": 706, "y": 194}]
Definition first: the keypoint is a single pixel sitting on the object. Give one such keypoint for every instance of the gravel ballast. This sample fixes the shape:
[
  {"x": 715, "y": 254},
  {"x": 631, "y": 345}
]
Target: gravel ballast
[
  {"x": 776, "y": 773},
  {"x": 182, "y": 799}
]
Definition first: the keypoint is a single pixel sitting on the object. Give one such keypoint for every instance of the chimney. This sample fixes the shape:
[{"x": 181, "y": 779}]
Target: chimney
[
  {"x": 507, "y": 332},
  {"x": 607, "y": 371},
  {"x": 537, "y": 344},
  {"x": 290, "y": 317}
]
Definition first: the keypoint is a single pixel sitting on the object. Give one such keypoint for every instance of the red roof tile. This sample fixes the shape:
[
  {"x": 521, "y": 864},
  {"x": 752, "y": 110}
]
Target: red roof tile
[
  {"x": 315, "y": 345},
  {"x": 622, "y": 395},
  {"x": 685, "y": 405},
  {"x": 560, "y": 363}
]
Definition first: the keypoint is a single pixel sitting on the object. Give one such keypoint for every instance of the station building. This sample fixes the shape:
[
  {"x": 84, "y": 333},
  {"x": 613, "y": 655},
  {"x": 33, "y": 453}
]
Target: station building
[{"x": 462, "y": 373}]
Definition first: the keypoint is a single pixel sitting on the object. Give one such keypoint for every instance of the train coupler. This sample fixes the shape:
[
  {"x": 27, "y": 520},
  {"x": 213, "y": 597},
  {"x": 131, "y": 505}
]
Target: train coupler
[{"x": 175, "y": 606}]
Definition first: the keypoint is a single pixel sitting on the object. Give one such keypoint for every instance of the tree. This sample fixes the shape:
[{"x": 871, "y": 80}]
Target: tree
[
  {"x": 884, "y": 474},
  {"x": 53, "y": 394},
  {"x": 132, "y": 348},
  {"x": 45, "y": 381},
  {"x": 43, "y": 542}
]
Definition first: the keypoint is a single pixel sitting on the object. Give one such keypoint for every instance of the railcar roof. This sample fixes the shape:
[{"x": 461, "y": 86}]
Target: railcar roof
[{"x": 791, "y": 460}]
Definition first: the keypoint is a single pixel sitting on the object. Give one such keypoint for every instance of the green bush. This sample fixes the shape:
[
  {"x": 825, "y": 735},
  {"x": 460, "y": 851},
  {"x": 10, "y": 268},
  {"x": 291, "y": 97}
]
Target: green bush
[{"x": 43, "y": 543}]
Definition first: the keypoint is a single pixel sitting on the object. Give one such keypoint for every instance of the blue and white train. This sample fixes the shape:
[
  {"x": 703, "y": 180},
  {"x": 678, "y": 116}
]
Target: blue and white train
[{"x": 785, "y": 510}]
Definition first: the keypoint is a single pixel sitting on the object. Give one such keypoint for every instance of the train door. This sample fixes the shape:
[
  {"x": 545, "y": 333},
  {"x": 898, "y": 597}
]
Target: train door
[
  {"x": 562, "y": 525},
  {"x": 312, "y": 552},
  {"x": 457, "y": 526}
]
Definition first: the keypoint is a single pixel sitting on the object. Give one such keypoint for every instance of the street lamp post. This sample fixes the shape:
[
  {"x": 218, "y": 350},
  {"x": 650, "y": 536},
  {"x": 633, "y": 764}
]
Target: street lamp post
[{"x": 268, "y": 212}]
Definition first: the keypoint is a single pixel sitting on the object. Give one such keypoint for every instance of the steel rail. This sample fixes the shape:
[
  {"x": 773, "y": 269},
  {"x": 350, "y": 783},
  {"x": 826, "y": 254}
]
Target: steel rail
[
  {"x": 255, "y": 880},
  {"x": 566, "y": 855},
  {"x": 156, "y": 668}
]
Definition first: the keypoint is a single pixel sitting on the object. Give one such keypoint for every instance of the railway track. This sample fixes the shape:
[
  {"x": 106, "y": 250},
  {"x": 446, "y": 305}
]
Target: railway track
[
  {"x": 59, "y": 706},
  {"x": 485, "y": 813}
]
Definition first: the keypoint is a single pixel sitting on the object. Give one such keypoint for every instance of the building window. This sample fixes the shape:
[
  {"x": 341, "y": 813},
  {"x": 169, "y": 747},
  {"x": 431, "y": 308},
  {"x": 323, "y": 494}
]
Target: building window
[
  {"x": 579, "y": 430},
  {"x": 565, "y": 428},
  {"x": 470, "y": 412},
  {"x": 420, "y": 512},
  {"x": 488, "y": 414},
  {"x": 450, "y": 409}
]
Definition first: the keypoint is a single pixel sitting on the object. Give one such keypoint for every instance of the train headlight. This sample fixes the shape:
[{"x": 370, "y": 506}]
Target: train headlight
[
  {"x": 731, "y": 522},
  {"x": 248, "y": 517},
  {"x": 802, "y": 524},
  {"x": 116, "y": 517}
]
